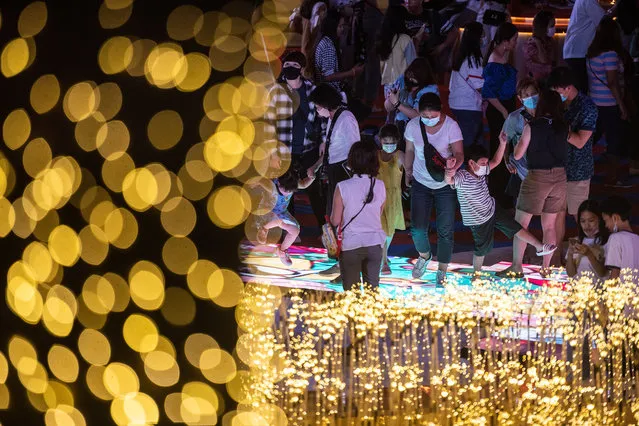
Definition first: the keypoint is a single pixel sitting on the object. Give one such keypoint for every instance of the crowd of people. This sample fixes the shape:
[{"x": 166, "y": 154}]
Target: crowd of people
[{"x": 543, "y": 121}]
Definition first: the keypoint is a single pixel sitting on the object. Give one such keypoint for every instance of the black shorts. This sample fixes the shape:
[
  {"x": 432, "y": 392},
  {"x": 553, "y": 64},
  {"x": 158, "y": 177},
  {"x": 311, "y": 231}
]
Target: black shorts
[{"x": 484, "y": 234}]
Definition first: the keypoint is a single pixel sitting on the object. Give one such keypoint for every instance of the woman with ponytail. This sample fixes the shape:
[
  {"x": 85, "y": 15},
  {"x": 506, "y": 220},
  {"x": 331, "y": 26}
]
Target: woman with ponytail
[{"x": 500, "y": 90}]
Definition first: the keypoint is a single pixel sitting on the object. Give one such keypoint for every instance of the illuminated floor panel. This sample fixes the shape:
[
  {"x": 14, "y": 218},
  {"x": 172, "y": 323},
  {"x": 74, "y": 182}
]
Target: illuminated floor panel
[{"x": 262, "y": 265}]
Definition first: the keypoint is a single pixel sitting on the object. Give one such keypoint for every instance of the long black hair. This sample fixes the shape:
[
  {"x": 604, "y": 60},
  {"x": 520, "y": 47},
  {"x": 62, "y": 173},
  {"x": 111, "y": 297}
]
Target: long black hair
[
  {"x": 607, "y": 38},
  {"x": 469, "y": 47},
  {"x": 540, "y": 24},
  {"x": 505, "y": 32},
  {"x": 393, "y": 25},
  {"x": 328, "y": 29},
  {"x": 593, "y": 207},
  {"x": 551, "y": 107}
]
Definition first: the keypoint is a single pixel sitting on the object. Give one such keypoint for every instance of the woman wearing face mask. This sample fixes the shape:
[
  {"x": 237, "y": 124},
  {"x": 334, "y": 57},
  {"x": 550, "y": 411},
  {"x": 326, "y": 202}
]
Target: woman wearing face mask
[
  {"x": 500, "y": 84},
  {"x": 313, "y": 13},
  {"x": 543, "y": 191},
  {"x": 390, "y": 172},
  {"x": 441, "y": 132},
  {"x": 465, "y": 86},
  {"x": 528, "y": 95},
  {"x": 539, "y": 50},
  {"x": 622, "y": 250},
  {"x": 586, "y": 252},
  {"x": 403, "y": 99}
]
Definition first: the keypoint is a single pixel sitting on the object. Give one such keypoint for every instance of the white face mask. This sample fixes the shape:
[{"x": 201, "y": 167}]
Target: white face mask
[
  {"x": 483, "y": 171},
  {"x": 550, "y": 32}
]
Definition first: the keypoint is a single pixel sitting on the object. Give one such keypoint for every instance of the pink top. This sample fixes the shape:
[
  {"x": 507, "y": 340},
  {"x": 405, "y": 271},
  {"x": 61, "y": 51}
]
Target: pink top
[
  {"x": 534, "y": 65},
  {"x": 366, "y": 230}
]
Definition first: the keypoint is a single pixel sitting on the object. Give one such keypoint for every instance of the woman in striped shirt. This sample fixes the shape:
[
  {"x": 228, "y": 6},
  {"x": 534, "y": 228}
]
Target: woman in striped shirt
[{"x": 605, "y": 67}]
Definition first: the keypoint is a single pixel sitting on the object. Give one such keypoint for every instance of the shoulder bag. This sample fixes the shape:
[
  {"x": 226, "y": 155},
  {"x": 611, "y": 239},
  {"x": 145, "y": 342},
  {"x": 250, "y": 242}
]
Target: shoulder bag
[{"x": 435, "y": 163}]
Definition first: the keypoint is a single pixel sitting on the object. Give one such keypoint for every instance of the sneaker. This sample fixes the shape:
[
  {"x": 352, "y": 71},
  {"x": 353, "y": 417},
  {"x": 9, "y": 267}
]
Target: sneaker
[
  {"x": 386, "y": 270},
  {"x": 441, "y": 279},
  {"x": 330, "y": 271},
  {"x": 419, "y": 269},
  {"x": 284, "y": 257},
  {"x": 547, "y": 249}
]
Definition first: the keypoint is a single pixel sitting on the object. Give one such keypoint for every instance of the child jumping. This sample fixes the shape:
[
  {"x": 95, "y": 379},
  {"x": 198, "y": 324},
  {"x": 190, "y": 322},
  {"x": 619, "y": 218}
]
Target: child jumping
[
  {"x": 279, "y": 217},
  {"x": 479, "y": 210}
]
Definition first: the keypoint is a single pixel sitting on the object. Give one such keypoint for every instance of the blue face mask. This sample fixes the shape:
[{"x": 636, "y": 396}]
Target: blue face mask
[
  {"x": 563, "y": 97},
  {"x": 530, "y": 102},
  {"x": 430, "y": 122}
]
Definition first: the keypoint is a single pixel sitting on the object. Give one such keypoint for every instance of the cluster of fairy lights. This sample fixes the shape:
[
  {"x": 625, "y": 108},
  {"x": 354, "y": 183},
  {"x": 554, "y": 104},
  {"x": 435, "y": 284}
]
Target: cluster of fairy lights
[
  {"x": 487, "y": 354},
  {"x": 235, "y": 143}
]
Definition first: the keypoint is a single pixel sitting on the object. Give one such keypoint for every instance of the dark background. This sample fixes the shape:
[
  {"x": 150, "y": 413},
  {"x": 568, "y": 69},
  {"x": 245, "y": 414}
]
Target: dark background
[{"x": 68, "y": 47}]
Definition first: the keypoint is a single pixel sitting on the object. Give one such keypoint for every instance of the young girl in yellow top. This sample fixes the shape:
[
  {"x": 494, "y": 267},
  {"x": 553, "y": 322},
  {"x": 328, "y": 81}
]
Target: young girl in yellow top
[{"x": 390, "y": 172}]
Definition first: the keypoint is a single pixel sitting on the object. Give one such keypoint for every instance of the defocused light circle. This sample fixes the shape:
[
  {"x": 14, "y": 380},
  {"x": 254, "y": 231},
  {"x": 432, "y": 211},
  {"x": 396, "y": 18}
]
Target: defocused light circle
[
  {"x": 32, "y": 19},
  {"x": 15, "y": 57},
  {"x": 64, "y": 245},
  {"x": 165, "y": 129},
  {"x": 147, "y": 285},
  {"x": 45, "y": 93},
  {"x": 140, "y": 333},
  {"x": 16, "y": 128}
]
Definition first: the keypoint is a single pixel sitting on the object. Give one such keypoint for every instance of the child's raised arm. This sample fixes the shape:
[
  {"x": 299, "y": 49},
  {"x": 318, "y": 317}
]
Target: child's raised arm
[
  {"x": 499, "y": 154},
  {"x": 306, "y": 182}
]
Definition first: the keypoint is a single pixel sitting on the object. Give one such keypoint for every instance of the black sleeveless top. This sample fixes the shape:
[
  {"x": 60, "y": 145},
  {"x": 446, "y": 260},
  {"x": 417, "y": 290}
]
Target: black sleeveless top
[{"x": 548, "y": 147}]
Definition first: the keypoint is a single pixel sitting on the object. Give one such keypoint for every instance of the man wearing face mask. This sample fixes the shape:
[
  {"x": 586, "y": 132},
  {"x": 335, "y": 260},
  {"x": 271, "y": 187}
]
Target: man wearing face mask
[
  {"x": 443, "y": 134},
  {"x": 293, "y": 120},
  {"x": 581, "y": 117}
]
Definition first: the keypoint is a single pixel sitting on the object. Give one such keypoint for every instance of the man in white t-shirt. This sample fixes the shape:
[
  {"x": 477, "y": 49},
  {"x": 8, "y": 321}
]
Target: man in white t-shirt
[
  {"x": 622, "y": 248},
  {"x": 444, "y": 135},
  {"x": 584, "y": 19}
]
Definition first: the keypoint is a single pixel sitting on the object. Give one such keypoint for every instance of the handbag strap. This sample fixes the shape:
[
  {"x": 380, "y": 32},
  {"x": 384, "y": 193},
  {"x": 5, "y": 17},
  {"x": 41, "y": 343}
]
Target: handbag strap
[
  {"x": 329, "y": 133},
  {"x": 596, "y": 76},
  {"x": 424, "y": 134},
  {"x": 368, "y": 199}
]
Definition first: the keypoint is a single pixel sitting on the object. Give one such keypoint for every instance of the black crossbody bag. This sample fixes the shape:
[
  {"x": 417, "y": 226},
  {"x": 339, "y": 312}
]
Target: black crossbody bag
[{"x": 435, "y": 163}]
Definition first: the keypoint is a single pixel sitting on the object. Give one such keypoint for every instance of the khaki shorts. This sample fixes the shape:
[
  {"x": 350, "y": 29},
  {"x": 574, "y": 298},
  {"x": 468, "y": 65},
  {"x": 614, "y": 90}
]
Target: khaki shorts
[
  {"x": 543, "y": 191},
  {"x": 576, "y": 193}
]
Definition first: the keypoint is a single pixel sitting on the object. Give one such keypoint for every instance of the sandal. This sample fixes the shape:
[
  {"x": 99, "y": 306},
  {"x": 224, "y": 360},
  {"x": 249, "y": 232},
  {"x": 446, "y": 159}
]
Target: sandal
[
  {"x": 547, "y": 249},
  {"x": 386, "y": 270},
  {"x": 285, "y": 258},
  {"x": 545, "y": 272}
]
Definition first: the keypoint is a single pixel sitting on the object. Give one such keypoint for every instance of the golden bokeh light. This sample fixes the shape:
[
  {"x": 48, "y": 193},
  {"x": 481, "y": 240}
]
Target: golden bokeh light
[
  {"x": 5, "y": 397},
  {"x": 7, "y": 217},
  {"x": 114, "y": 171},
  {"x": 111, "y": 18},
  {"x": 139, "y": 51},
  {"x": 218, "y": 366},
  {"x": 140, "y": 189},
  {"x": 80, "y": 101},
  {"x": 15, "y": 57},
  {"x": 178, "y": 254},
  {"x": 63, "y": 363},
  {"x": 195, "y": 189},
  {"x": 239, "y": 387},
  {"x": 178, "y": 217},
  {"x": 115, "y": 55},
  {"x": 32, "y": 19},
  {"x": 121, "y": 228},
  {"x": 134, "y": 409},
  {"x": 36, "y": 157},
  {"x": 110, "y": 96},
  {"x": 140, "y": 333},
  {"x": 165, "y": 65},
  {"x": 4, "y": 369},
  {"x": 94, "y": 347},
  {"x": 199, "y": 404},
  {"x": 229, "y": 206},
  {"x": 60, "y": 309},
  {"x": 120, "y": 380},
  {"x": 184, "y": 22},
  {"x": 113, "y": 140},
  {"x": 98, "y": 294},
  {"x": 161, "y": 368},
  {"x": 181, "y": 310},
  {"x": 146, "y": 282},
  {"x": 118, "y": 4},
  {"x": 95, "y": 246},
  {"x": 64, "y": 245},
  {"x": 64, "y": 415},
  {"x": 95, "y": 383},
  {"x": 198, "y": 72},
  {"x": 165, "y": 129},
  {"x": 227, "y": 53},
  {"x": 16, "y": 128},
  {"x": 198, "y": 344},
  {"x": 198, "y": 277},
  {"x": 86, "y": 131},
  {"x": 225, "y": 288},
  {"x": 45, "y": 93}
]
